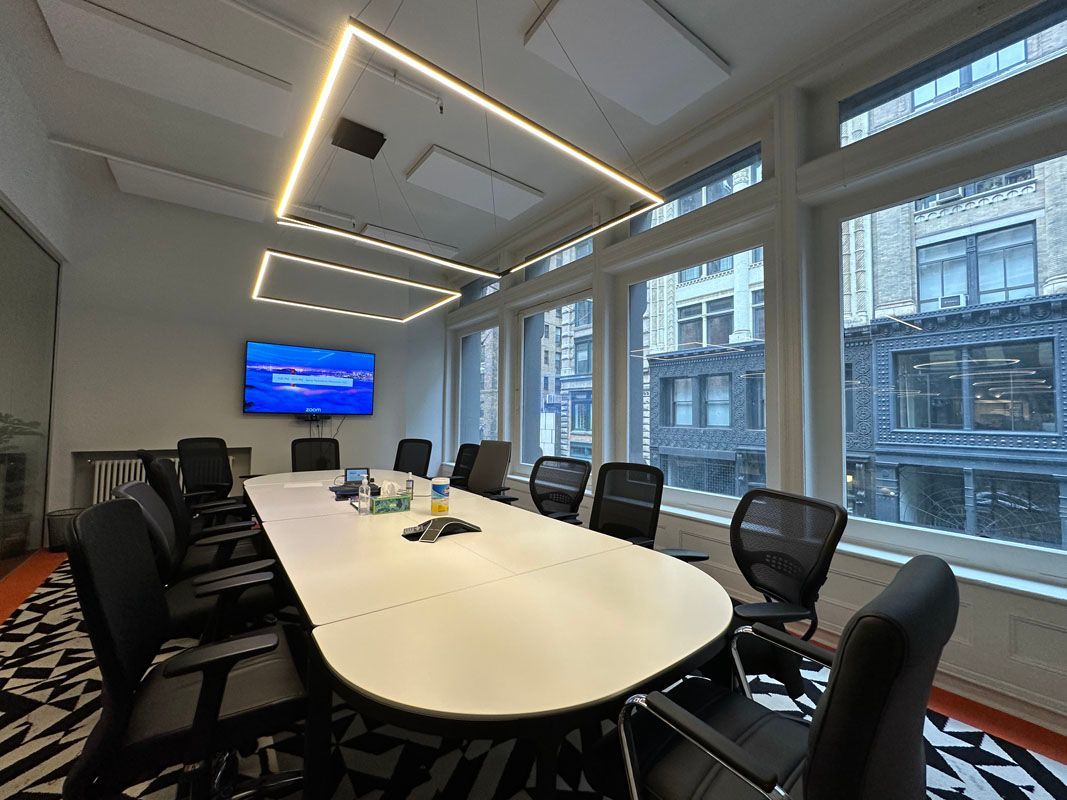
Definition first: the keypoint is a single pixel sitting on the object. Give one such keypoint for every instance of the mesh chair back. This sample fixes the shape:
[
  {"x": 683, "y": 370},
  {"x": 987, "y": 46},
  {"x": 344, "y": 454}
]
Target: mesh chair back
[
  {"x": 783, "y": 543},
  {"x": 163, "y": 478},
  {"x": 413, "y": 455},
  {"x": 160, "y": 524},
  {"x": 465, "y": 458},
  {"x": 557, "y": 484},
  {"x": 313, "y": 454},
  {"x": 120, "y": 594},
  {"x": 206, "y": 465},
  {"x": 866, "y": 739},
  {"x": 490, "y": 469},
  {"x": 627, "y": 500}
]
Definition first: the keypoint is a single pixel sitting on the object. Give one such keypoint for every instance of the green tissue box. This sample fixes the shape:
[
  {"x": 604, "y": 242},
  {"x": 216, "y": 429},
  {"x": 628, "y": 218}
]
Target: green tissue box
[{"x": 390, "y": 505}]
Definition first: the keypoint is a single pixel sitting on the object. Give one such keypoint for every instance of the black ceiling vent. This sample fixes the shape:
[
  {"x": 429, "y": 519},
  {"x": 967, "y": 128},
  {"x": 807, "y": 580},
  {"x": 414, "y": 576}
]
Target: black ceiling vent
[{"x": 356, "y": 138}]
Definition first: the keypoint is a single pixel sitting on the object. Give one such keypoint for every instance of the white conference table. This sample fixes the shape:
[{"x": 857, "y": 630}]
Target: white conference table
[{"x": 520, "y": 627}]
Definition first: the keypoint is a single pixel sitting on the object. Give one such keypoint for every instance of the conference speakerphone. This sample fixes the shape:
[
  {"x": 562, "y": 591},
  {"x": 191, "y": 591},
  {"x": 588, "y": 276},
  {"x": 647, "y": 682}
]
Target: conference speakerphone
[{"x": 432, "y": 529}]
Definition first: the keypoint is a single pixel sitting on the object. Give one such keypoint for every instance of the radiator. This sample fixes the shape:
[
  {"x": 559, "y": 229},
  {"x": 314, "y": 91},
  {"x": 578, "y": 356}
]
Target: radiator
[{"x": 111, "y": 472}]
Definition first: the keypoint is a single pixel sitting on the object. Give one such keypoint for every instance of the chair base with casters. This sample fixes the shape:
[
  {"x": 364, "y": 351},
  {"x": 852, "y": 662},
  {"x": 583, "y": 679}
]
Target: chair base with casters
[{"x": 865, "y": 739}]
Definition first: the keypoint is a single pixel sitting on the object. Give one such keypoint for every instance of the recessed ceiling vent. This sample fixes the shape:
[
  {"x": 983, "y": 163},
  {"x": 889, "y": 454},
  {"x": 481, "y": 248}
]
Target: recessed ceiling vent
[{"x": 359, "y": 139}]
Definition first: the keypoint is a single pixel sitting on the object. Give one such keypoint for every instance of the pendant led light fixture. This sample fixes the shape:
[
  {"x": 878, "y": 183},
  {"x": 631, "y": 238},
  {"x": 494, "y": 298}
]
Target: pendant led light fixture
[
  {"x": 269, "y": 255},
  {"x": 399, "y": 53}
]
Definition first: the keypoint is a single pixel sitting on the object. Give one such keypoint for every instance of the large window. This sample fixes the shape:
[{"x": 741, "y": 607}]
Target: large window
[
  {"x": 696, "y": 400},
  {"x": 720, "y": 180},
  {"x": 955, "y": 311},
  {"x": 557, "y": 384},
  {"x": 1032, "y": 38},
  {"x": 478, "y": 383}
]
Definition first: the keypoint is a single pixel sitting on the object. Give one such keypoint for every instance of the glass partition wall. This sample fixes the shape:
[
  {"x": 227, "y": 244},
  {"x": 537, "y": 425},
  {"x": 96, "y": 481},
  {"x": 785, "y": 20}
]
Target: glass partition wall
[{"x": 28, "y": 291}]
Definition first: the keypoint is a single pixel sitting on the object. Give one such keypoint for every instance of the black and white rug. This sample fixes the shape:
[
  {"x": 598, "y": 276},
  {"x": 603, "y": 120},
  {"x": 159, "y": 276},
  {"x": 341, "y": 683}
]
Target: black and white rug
[{"x": 49, "y": 700}]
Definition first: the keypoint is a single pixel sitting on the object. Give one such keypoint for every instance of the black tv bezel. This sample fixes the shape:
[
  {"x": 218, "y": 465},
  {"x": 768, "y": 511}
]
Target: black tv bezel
[{"x": 373, "y": 393}]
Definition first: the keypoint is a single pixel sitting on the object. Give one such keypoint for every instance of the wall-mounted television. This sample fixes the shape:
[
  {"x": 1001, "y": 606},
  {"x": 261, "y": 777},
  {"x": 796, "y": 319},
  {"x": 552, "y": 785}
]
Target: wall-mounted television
[{"x": 285, "y": 379}]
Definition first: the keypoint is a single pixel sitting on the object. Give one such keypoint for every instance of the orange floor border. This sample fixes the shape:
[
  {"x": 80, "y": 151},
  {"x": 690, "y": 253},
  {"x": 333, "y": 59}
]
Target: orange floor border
[
  {"x": 24, "y": 579},
  {"x": 997, "y": 723}
]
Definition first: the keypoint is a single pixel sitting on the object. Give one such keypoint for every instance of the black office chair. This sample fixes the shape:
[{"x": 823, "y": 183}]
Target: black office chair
[
  {"x": 489, "y": 474},
  {"x": 413, "y": 455},
  {"x": 626, "y": 504},
  {"x": 783, "y": 544},
  {"x": 557, "y": 486},
  {"x": 865, "y": 740},
  {"x": 199, "y": 502},
  {"x": 205, "y": 465},
  {"x": 189, "y": 527},
  {"x": 191, "y": 612},
  {"x": 311, "y": 454},
  {"x": 465, "y": 458},
  {"x": 209, "y": 699}
]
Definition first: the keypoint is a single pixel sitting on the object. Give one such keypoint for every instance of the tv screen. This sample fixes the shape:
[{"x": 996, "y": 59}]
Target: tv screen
[{"x": 283, "y": 379}]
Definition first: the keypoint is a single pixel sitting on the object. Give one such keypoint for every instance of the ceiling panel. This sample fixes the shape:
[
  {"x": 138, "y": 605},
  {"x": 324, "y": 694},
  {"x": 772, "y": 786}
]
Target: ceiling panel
[
  {"x": 631, "y": 51},
  {"x": 173, "y": 187},
  {"x": 107, "y": 45},
  {"x": 472, "y": 184}
]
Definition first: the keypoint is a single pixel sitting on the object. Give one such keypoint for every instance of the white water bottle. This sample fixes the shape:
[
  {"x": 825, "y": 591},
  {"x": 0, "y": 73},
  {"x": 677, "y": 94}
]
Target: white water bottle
[{"x": 364, "y": 498}]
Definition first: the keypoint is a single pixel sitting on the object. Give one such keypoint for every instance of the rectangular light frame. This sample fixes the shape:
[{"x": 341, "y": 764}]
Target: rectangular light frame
[
  {"x": 264, "y": 266},
  {"x": 355, "y": 28}
]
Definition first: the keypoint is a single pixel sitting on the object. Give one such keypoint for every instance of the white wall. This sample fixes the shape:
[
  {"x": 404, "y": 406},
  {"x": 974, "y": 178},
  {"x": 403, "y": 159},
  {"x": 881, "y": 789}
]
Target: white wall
[{"x": 154, "y": 314}]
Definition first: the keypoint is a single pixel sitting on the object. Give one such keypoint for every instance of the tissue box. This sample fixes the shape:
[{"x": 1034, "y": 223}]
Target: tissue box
[{"x": 391, "y": 504}]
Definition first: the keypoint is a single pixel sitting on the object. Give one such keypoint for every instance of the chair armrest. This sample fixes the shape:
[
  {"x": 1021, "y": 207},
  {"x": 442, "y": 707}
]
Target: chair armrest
[
  {"x": 699, "y": 733},
  {"x": 219, "y": 655},
  {"x": 227, "y": 527},
  {"x": 565, "y": 516},
  {"x": 226, "y": 538},
  {"x": 262, "y": 565},
  {"x": 688, "y": 556},
  {"x": 787, "y": 641},
  {"x": 772, "y": 612},
  {"x": 225, "y": 507},
  {"x": 236, "y": 583},
  {"x": 189, "y": 496},
  {"x": 459, "y": 482}
]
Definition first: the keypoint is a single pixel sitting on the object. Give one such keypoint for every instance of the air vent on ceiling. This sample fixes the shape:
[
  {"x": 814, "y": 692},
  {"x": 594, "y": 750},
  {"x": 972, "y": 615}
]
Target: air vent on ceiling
[{"x": 359, "y": 139}]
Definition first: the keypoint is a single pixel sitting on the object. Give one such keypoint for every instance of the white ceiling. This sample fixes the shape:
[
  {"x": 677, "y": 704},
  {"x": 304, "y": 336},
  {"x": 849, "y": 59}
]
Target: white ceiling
[{"x": 92, "y": 92}]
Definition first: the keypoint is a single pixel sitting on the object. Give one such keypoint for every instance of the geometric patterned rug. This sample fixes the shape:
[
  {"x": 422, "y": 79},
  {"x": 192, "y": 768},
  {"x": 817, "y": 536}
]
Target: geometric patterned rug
[{"x": 49, "y": 701}]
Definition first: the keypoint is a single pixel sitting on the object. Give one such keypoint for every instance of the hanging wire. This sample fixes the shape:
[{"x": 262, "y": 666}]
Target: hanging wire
[
  {"x": 488, "y": 141},
  {"x": 403, "y": 197},
  {"x": 592, "y": 97},
  {"x": 377, "y": 196}
]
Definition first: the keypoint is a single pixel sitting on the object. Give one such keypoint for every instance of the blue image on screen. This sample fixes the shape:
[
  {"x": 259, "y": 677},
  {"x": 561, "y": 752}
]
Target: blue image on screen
[{"x": 283, "y": 379}]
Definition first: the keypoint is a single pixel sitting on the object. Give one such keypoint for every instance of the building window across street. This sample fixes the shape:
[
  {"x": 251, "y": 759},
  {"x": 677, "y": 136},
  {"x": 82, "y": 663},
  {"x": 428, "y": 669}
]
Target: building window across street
[{"x": 983, "y": 268}]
